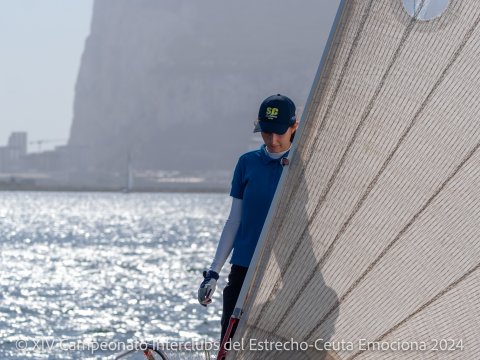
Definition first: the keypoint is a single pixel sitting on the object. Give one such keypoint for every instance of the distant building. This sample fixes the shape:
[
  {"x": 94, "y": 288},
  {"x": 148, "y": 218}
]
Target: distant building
[
  {"x": 4, "y": 158},
  {"x": 13, "y": 155},
  {"x": 45, "y": 161},
  {"x": 18, "y": 142}
]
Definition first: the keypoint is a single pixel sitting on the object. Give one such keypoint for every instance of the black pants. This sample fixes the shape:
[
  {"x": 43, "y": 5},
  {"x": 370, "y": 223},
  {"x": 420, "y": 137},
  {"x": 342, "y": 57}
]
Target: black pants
[{"x": 230, "y": 296}]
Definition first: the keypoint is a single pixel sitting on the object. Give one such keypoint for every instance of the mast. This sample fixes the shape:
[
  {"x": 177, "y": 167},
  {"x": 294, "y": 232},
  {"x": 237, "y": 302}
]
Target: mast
[{"x": 129, "y": 173}]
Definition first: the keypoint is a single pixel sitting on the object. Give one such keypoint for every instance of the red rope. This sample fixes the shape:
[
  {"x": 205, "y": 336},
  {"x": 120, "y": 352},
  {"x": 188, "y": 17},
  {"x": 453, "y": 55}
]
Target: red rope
[{"x": 223, "y": 352}]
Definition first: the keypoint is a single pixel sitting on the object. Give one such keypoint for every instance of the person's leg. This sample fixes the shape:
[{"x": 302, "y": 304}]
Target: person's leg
[{"x": 230, "y": 296}]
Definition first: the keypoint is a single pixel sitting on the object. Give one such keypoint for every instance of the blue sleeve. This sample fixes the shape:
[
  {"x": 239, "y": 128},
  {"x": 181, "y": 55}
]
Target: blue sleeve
[{"x": 238, "y": 181}]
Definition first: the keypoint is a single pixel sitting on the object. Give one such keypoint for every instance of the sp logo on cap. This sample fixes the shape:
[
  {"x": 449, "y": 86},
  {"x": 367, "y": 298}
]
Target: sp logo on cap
[
  {"x": 272, "y": 113},
  {"x": 276, "y": 114}
]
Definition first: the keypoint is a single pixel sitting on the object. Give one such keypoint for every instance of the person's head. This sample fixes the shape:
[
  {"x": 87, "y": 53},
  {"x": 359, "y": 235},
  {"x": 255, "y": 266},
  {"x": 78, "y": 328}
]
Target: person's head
[{"x": 277, "y": 122}]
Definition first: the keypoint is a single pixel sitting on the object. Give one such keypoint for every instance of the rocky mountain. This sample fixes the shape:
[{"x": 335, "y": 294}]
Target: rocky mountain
[{"x": 177, "y": 84}]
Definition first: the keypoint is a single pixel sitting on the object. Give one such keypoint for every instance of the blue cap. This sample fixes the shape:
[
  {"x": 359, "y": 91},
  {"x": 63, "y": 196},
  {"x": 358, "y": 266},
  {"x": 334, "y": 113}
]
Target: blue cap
[{"x": 276, "y": 115}]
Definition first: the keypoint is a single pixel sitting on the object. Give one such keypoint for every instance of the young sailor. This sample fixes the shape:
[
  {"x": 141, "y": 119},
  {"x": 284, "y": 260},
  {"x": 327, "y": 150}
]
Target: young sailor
[{"x": 254, "y": 183}]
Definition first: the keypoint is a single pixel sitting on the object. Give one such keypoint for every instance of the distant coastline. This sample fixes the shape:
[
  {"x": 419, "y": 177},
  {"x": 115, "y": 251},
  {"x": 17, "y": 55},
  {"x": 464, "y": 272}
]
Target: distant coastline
[{"x": 184, "y": 188}]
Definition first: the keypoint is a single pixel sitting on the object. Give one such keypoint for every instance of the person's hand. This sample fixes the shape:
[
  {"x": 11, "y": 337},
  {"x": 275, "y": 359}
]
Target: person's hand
[{"x": 207, "y": 287}]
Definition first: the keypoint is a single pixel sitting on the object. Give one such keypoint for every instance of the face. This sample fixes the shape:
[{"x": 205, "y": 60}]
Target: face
[{"x": 277, "y": 143}]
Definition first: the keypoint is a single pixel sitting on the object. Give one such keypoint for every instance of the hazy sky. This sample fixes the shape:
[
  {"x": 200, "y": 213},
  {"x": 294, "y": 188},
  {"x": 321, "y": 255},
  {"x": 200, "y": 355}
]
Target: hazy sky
[
  {"x": 41, "y": 46},
  {"x": 41, "y": 42}
]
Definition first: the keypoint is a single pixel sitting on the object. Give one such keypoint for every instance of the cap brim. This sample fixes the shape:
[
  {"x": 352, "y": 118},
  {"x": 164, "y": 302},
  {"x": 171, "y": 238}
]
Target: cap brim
[
  {"x": 257, "y": 127},
  {"x": 270, "y": 127}
]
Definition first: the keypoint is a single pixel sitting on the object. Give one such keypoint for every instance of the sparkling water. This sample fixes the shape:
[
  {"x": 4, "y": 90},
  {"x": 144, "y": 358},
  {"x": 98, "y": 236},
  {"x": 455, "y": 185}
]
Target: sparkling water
[{"x": 81, "y": 274}]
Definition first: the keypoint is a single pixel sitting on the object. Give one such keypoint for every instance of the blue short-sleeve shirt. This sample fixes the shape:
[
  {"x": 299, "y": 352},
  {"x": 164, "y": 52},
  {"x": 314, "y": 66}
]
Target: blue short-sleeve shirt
[{"x": 254, "y": 181}]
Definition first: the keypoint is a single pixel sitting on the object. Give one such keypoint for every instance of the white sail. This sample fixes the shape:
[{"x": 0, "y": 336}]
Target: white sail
[{"x": 374, "y": 233}]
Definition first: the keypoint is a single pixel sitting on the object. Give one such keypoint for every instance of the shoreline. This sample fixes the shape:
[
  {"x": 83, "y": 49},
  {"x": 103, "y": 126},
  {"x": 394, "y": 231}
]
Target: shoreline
[{"x": 169, "y": 189}]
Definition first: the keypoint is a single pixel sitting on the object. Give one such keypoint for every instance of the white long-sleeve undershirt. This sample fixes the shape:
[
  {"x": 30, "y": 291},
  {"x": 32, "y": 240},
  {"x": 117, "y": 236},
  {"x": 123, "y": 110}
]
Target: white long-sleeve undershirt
[{"x": 225, "y": 244}]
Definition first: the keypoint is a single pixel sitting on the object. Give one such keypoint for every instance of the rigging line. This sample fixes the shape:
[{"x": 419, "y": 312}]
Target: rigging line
[
  {"x": 332, "y": 179},
  {"x": 353, "y": 48},
  {"x": 384, "y": 166},
  {"x": 423, "y": 307}
]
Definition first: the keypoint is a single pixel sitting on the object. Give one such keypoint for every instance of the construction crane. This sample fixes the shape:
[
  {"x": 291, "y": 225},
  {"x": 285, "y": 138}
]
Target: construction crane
[{"x": 39, "y": 143}]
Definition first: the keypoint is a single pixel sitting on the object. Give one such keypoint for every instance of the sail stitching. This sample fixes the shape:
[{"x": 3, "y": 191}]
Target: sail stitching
[
  {"x": 375, "y": 180},
  {"x": 449, "y": 288},
  {"x": 332, "y": 179},
  {"x": 423, "y": 307},
  {"x": 353, "y": 48},
  {"x": 272, "y": 336},
  {"x": 393, "y": 242}
]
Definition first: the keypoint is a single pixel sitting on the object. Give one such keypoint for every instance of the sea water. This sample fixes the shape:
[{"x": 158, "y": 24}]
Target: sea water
[{"x": 83, "y": 274}]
